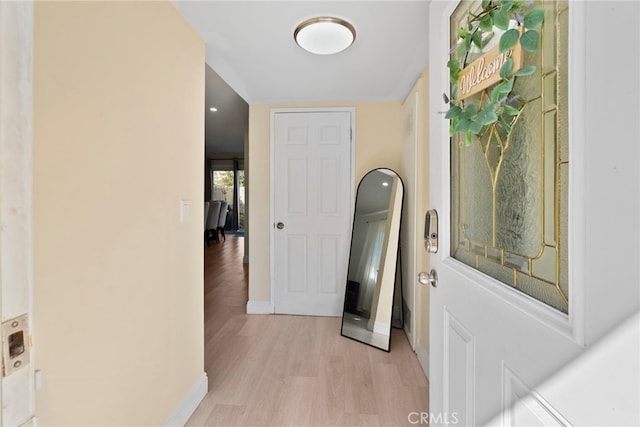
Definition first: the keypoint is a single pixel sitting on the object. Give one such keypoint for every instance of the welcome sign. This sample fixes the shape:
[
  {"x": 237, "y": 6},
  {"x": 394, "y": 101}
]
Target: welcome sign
[{"x": 485, "y": 71}]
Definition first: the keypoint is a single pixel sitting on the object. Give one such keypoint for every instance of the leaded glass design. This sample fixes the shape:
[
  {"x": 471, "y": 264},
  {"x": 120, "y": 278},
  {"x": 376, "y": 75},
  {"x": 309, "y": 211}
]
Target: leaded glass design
[{"x": 509, "y": 192}]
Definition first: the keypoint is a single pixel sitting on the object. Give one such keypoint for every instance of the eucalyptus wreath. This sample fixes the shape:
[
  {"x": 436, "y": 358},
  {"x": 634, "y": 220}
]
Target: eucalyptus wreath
[{"x": 502, "y": 107}]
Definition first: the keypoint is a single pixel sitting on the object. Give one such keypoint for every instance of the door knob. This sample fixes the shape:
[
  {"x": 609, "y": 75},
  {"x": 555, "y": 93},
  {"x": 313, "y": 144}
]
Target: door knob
[
  {"x": 430, "y": 278},
  {"x": 279, "y": 226}
]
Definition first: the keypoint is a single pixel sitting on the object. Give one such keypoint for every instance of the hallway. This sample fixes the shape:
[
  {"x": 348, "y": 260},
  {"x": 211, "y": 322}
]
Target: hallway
[{"x": 275, "y": 370}]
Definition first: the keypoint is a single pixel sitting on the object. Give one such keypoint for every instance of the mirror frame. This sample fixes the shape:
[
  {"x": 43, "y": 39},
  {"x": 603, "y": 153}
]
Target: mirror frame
[{"x": 393, "y": 251}]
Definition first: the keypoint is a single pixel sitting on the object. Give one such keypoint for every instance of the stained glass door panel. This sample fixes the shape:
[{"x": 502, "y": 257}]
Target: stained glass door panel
[{"x": 509, "y": 191}]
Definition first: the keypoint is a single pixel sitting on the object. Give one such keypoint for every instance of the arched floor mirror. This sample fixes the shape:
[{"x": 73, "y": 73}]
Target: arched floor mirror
[{"x": 371, "y": 277}]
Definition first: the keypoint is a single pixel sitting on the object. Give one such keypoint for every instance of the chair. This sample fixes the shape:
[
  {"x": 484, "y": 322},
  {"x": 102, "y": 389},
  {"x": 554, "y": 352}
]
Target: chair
[
  {"x": 212, "y": 220},
  {"x": 222, "y": 219},
  {"x": 206, "y": 218}
]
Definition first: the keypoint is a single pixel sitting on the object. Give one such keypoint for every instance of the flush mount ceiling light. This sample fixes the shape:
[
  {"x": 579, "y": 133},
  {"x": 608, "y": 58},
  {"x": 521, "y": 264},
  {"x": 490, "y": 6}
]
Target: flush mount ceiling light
[{"x": 324, "y": 35}]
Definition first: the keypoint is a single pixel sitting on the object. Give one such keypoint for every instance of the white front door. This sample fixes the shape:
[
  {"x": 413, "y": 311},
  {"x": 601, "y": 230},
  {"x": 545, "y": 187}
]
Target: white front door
[
  {"x": 16, "y": 249},
  {"x": 312, "y": 210},
  {"x": 493, "y": 342}
]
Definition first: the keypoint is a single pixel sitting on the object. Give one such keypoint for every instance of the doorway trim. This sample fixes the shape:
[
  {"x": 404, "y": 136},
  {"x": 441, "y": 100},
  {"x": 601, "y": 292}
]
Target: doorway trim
[
  {"x": 17, "y": 390},
  {"x": 272, "y": 119},
  {"x": 413, "y": 185}
]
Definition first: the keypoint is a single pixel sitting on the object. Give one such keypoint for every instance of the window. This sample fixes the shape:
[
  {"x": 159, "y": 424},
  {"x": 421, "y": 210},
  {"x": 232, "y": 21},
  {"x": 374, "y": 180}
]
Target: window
[
  {"x": 228, "y": 184},
  {"x": 509, "y": 192}
]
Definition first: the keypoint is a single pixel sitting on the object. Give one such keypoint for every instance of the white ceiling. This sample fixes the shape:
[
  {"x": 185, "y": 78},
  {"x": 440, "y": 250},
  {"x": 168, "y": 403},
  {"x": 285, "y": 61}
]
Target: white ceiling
[
  {"x": 250, "y": 45},
  {"x": 372, "y": 196}
]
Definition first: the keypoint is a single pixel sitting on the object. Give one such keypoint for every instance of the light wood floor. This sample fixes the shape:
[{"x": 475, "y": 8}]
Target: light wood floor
[{"x": 276, "y": 370}]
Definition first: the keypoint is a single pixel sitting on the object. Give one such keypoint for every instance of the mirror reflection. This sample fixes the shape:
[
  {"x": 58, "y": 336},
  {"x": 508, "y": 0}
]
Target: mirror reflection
[{"x": 371, "y": 277}]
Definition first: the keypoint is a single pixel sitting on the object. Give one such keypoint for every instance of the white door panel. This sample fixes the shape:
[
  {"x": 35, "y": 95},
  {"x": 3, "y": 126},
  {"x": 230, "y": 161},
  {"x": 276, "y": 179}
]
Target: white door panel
[
  {"x": 595, "y": 376},
  {"x": 494, "y": 349},
  {"x": 312, "y": 202},
  {"x": 459, "y": 351}
]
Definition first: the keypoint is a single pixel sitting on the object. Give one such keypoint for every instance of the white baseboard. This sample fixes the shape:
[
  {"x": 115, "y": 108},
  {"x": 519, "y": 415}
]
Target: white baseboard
[
  {"x": 259, "y": 307},
  {"x": 423, "y": 358},
  {"x": 245, "y": 259},
  {"x": 189, "y": 403}
]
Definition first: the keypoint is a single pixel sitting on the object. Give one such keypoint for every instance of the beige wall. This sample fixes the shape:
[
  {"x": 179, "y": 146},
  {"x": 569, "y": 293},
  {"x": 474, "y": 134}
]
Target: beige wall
[
  {"x": 118, "y": 142},
  {"x": 378, "y": 144}
]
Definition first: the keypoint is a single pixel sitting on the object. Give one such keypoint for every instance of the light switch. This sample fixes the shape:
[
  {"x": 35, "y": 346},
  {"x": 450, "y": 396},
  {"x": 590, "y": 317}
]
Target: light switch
[{"x": 184, "y": 211}]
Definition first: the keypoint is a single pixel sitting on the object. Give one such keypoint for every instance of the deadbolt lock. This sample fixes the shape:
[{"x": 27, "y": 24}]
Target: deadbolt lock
[{"x": 431, "y": 231}]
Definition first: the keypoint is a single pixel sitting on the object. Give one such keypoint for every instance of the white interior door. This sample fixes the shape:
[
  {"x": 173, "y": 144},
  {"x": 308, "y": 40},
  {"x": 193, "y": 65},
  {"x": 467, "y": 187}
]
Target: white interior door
[
  {"x": 495, "y": 349},
  {"x": 16, "y": 290},
  {"x": 312, "y": 210}
]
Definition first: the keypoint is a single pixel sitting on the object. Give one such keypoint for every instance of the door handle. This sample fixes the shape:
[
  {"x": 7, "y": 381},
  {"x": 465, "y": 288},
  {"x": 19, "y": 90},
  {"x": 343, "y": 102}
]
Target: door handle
[
  {"x": 280, "y": 226},
  {"x": 430, "y": 278}
]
